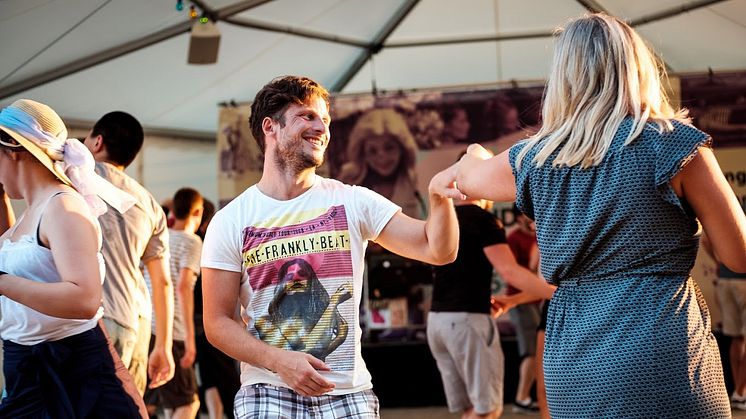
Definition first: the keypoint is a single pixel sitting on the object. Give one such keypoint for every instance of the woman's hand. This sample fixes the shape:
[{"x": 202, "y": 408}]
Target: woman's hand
[
  {"x": 477, "y": 151},
  {"x": 482, "y": 175},
  {"x": 443, "y": 184}
]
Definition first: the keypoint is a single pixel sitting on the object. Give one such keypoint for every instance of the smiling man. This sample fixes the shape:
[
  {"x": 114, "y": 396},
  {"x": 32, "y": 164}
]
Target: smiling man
[{"x": 300, "y": 347}]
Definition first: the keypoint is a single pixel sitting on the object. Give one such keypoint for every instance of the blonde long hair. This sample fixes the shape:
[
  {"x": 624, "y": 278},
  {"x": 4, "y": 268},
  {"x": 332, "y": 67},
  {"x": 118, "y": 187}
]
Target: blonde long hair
[{"x": 602, "y": 72}]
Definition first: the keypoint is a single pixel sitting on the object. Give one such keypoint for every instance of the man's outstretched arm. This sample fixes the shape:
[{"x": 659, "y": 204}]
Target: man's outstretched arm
[{"x": 434, "y": 240}]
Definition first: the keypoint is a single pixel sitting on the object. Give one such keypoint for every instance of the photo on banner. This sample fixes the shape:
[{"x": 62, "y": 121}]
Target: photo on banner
[
  {"x": 240, "y": 161},
  {"x": 394, "y": 143}
]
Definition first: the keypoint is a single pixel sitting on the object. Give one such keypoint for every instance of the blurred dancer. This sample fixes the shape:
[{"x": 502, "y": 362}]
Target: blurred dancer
[{"x": 57, "y": 359}]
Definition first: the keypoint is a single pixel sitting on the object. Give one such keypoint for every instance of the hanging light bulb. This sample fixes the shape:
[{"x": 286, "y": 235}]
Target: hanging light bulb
[
  {"x": 179, "y": 5},
  {"x": 192, "y": 12},
  {"x": 204, "y": 19}
]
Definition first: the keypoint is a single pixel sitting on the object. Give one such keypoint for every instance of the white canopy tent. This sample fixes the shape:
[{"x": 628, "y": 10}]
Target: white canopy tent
[{"x": 87, "y": 57}]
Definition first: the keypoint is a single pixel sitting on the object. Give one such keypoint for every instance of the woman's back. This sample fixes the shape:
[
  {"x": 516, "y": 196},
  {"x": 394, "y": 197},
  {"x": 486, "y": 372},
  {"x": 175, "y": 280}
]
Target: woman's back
[
  {"x": 628, "y": 333},
  {"x": 626, "y": 326},
  {"x": 620, "y": 217}
]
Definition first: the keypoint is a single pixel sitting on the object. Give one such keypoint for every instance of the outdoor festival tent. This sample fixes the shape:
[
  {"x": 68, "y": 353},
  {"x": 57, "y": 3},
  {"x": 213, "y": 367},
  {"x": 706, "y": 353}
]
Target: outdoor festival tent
[{"x": 85, "y": 57}]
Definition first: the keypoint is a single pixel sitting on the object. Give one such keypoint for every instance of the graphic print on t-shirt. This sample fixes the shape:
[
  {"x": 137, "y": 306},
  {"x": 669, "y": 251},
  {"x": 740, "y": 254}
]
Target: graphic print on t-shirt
[{"x": 301, "y": 277}]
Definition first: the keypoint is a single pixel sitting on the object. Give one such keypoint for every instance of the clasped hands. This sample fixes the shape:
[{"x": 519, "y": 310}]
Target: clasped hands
[{"x": 445, "y": 183}]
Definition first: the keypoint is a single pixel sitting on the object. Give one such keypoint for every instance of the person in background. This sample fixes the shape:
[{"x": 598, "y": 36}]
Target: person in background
[
  {"x": 291, "y": 248},
  {"x": 167, "y": 206},
  {"x": 730, "y": 288},
  {"x": 501, "y": 117},
  {"x": 139, "y": 235},
  {"x": 218, "y": 373},
  {"x": 178, "y": 397},
  {"x": 525, "y": 317},
  {"x": 505, "y": 303},
  {"x": 461, "y": 333},
  {"x": 382, "y": 156},
  {"x": 541, "y": 391},
  {"x": 57, "y": 359},
  {"x": 611, "y": 144}
]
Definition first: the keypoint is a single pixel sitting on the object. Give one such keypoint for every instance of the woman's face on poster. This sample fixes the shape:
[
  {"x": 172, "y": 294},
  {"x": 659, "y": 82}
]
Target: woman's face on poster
[
  {"x": 458, "y": 127},
  {"x": 382, "y": 154}
]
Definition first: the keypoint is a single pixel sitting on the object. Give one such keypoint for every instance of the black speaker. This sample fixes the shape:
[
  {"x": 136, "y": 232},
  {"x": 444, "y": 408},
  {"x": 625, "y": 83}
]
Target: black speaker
[{"x": 204, "y": 43}]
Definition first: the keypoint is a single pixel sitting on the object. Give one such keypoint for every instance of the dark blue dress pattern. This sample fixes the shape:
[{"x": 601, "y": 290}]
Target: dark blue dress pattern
[{"x": 628, "y": 333}]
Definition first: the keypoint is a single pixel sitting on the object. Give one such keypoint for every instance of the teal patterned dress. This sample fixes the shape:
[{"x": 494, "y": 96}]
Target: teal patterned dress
[{"x": 628, "y": 333}]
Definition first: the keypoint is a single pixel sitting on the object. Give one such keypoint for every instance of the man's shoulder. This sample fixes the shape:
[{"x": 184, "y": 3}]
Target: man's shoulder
[
  {"x": 341, "y": 189},
  {"x": 180, "y": 239},
  {"x": 123, "y": 181},
  {"x": 329, "y": 183},
  {"x": 182, "y": 235},
  {"x": 237, "y": 208},
  {"x": 247, "y": 196}
]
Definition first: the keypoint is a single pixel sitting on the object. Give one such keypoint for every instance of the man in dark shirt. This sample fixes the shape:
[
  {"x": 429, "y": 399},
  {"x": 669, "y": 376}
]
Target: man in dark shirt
[{"x": 460, "y": 323}]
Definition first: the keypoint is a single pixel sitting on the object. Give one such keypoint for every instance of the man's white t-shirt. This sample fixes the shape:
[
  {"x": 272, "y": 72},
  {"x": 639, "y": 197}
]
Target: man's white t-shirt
[{"x": 301, "y": 263}]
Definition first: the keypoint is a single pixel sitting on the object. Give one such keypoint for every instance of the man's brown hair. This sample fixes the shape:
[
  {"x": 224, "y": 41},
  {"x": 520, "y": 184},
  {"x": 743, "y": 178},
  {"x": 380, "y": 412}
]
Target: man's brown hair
[{"x": 275, "y": 97}]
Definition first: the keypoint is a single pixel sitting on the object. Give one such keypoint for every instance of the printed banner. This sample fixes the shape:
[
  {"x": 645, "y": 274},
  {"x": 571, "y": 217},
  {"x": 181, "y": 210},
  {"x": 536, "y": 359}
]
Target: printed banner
[
  {"x": 395, "y": 143},
  {"x": 240, "y": 161},
  {"x": 392, "y": 143},
  {"x": 717, "y": 103}
]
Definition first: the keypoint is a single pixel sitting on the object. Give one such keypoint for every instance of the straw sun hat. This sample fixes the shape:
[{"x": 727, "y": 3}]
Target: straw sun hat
[{"x": 48, "y": 121}]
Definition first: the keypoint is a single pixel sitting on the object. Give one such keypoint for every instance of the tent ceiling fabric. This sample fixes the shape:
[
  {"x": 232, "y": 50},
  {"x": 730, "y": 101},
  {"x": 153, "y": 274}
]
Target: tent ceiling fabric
[{"x": 87, "y": 57}]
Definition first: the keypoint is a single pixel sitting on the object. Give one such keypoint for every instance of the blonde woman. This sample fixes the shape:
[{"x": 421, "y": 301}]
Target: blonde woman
[
  {"x": 618, "y": 183},
  {"x": 382, "y": 154},
  {"x": 57, "y": 360}
]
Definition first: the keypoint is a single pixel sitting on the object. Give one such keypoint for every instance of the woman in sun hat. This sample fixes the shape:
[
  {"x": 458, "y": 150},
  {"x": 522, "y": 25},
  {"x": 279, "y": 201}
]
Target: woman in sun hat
[{"x": 58, "y": 362}]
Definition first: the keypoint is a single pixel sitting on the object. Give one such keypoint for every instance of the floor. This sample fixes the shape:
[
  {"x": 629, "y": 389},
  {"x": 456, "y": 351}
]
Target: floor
[{"x": 442, "y": 413}]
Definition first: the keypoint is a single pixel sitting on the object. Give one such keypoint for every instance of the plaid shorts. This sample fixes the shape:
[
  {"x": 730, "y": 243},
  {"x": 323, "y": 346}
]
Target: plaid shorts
[{"x": 266, "y": 401}]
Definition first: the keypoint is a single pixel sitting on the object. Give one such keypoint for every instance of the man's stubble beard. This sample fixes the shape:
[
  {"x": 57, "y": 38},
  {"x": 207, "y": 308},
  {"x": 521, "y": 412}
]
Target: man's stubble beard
[{"x": 293, "y": 158}]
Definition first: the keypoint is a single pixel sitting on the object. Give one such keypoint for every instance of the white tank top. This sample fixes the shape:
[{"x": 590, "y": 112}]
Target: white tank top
[{"x": 23, "y": 325}]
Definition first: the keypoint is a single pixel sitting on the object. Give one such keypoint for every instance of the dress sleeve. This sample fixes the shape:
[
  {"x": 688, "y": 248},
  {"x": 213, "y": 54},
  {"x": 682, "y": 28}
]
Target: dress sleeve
[
  {"x": 522, "y": 186},
  {"x": 675, "y": 149}
]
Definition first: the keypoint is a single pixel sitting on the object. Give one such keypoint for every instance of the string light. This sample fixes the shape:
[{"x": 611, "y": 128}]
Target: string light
[
  {"x": 204, "y": 19},
  {"x": 179, "y": 5},
  {"x": 192, "y": 12}
]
